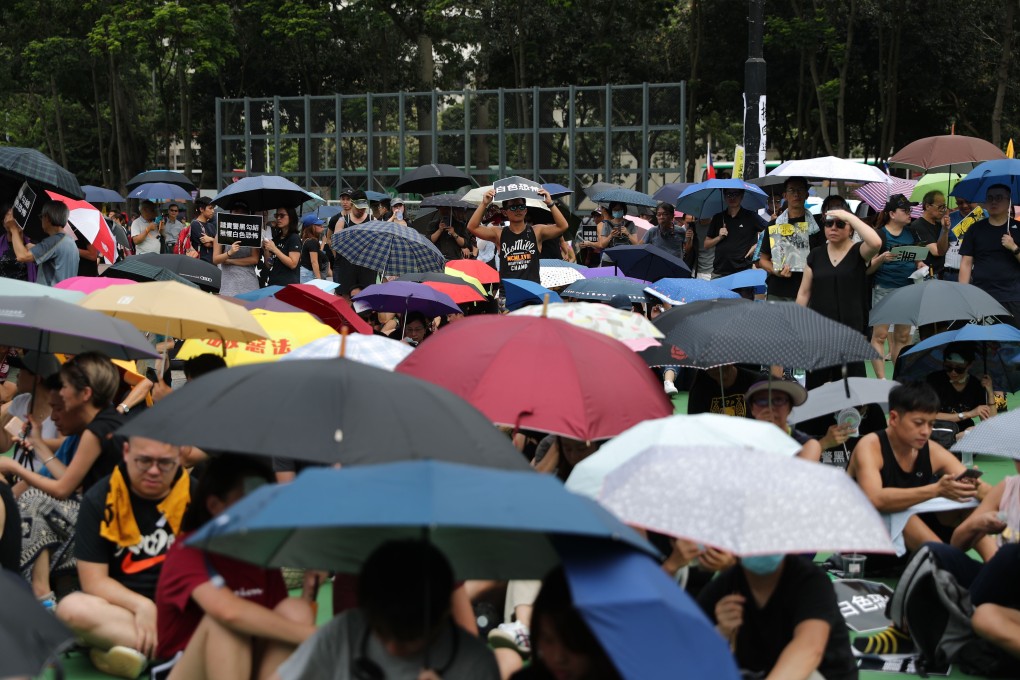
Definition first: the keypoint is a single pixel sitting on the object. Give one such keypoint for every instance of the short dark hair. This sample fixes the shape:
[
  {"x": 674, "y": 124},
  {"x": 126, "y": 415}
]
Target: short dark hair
[
  {"x": 220, "y": 475},
  {"x": 913, "y": 396},
  {"x": 1000, "y": 186},
  {"x": 795, "y": 180},
  {"x": 668, "y": 207},
  {"x": 829, "y": 201},
  {"x": 929, "y": 198},
  {"x": 203, "y": 363},
  {"x": 56, "y": 212},
  {"x": 201, "y": 202}
]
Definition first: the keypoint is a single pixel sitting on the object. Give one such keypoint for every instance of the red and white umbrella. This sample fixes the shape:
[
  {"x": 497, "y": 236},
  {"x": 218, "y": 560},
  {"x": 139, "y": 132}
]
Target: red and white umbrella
[{"x": 90, "y": 222}]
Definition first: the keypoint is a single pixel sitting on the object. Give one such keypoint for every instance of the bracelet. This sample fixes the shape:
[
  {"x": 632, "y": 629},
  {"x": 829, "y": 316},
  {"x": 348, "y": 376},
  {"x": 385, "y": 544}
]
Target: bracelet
[{"x": 48, "y": 460}]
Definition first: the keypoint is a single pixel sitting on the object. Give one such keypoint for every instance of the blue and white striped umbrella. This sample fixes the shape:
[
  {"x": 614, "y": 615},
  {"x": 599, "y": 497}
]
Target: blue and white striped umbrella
[{"x": 389, "y": 248}]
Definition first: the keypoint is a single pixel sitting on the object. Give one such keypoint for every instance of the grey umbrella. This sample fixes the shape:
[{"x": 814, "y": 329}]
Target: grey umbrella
[
  {"x": 934, "y": 301},
  {"x": 832, "y": 397},
  {"x": 998, "y": 436},
  {"x": 166, "y": 176},
  {"x": 30, "y": 636}
]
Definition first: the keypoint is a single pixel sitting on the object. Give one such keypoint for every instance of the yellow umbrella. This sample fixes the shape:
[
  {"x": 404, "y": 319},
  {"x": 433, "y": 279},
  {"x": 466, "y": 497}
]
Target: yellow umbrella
[
  {"x": 470, "y": 279},
  {"x": 287, "y": 331},
  {"x": 179, "y": 311}
]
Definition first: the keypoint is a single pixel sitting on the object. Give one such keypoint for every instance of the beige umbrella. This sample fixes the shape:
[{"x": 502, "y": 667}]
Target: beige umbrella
[{"x": 179, "y": 311}]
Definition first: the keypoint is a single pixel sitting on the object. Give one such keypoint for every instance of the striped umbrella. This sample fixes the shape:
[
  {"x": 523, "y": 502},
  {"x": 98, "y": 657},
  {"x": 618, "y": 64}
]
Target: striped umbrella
[{"x": 876, "y": 194}]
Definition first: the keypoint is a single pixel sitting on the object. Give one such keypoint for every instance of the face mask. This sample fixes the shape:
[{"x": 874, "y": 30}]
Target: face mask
[
  {"x": 617, "y": 214},
  {"x": 762, "y": 564}
]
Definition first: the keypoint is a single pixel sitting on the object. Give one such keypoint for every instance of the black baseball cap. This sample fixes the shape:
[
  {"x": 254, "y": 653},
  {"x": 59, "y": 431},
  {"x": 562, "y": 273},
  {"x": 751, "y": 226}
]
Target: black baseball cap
[{"x": 898, "y": 201}]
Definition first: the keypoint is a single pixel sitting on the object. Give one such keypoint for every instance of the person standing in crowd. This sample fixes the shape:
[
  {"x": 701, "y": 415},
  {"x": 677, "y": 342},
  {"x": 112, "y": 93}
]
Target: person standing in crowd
[
  {"x": 733, "y": 234},
  {"x": 145, "y": 231},
  {"x": 960, "y": 220},
  {"x": 283, "y": 251},
  {"x": 665, "y": 234},
  {"x": 311, "y": 249},
  {"x": 236, "y": 263},
  {"x": 56, "y": 255},
  {"x": 202, "y": 232},
  {"x": 586, "y": 241},
  {"x": 793, "y": 234},
  {"x": 449, "y": 234},
  {"x": 934, "y": 220},
  {"x": 398, "y": 216},
  {"x": 990, "y": 254},
  {"x": 172, "y": 227},
  {"x": 617, "y": 231},
  {"x": 351, "y": 277}
]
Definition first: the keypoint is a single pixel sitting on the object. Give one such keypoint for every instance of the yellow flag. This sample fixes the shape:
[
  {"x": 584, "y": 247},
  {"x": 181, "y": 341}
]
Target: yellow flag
[
  {"x": 738, "y": 162},
  {"x": 1009, "y": 148}
]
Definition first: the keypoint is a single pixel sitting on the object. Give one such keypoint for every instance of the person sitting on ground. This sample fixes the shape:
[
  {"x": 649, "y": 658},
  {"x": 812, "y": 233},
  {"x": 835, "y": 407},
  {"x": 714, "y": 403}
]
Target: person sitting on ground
[
  {"x": 415, "y": 329},
  {"x": 38, "y": 374},
  {"x": 962, "y": 397},
  {"x": 780, "y": 615},
  {"x": 218, "y": 617},
  {"x": 772, "y": 400},
  {"x": 10, "y": 530},
  {"x": 720, "y": 390},
  {"x": 401, "y": 629}
]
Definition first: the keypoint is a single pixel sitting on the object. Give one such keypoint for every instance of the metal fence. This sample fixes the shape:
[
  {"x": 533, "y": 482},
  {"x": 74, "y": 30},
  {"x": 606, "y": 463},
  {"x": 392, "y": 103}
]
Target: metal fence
[{"x": 631, "y": 135}]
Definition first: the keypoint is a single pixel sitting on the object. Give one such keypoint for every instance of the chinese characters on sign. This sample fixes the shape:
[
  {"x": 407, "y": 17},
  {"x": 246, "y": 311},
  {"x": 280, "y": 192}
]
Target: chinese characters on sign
[
  {"x": 244, "y": 228},
  {"x": 515, "y": 187},
  {"x": 23, "y": 203},
  {"x": 862, "y": 604}
]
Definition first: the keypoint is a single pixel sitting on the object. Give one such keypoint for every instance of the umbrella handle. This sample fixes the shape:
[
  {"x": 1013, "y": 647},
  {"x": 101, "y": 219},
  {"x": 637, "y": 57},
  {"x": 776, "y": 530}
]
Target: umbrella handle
[
  {"x": 344, "y": 330},
  {"x": 545, "y": 305}
]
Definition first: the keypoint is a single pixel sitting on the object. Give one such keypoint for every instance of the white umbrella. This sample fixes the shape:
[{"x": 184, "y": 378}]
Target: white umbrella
[
  {"x": 998, "y": 436},
  {"x": 830, "y": 167},
  {"x": 745, "y": 504},
  {"x": 557, "y": 277},
  {"x": 676, "y": 434},
  {"x": 478, "y": 193},
  {"x": 831, "y": 397},
  {"x": 374, "y": 350},
  {"x": 620, "y": 324}
]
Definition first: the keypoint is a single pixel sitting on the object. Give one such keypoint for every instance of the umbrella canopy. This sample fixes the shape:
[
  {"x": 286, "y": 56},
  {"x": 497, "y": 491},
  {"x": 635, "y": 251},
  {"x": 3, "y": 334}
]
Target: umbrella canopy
[
  {"x": 94, "y": 194},
  {"x": 975, "y": 185},
  {"x": 830, "y": 168},
  {"x": 30, "y": 636},
  {"x": 520, "y": 292},
  {"x": 48, "y": 325},
  {"x": 374, "y": 350},
  {"x": 706, "y": 198},
  {"x": 934, "y": 301},
  {"x": 474, "y": 268},
  {"x": 606, "y": 288},
  {"x": 553, "y": 262},
  {"x": 876, "y": 194},
  {"x": 259, "y": 293},
  {"x": 333, "y": 310},
  {"x": 597, "y": 188},
  {"x": 997, "y": 347},
  {"x": 683, "y": 291},
  {"x": 480, "y": 358},
  {"x": 133, "y": 269},
  {"x": 944, "y": 153},
  {"x": 403, "y": 297},
  {"x": 264, "y": 192},
  {"x": 609, "y": 270},
  {"x": 161, "y": 176},
  {"x": 557, "y": 277},
  {"x": 726, "y": 498},
  {"x": 670, "y": 193},
  {"x": 178, "y": 311},
  {"x": 28, "y": 289},
  {"x": 352, "y": 414},
  {"x": 39, "y": 170},
  {"x": 458, "y": 292},
  {"x": 388, "y": 248},
  {"x": 159, "y": 191},
  {"x": 648, "y": 262},
  {"x": 666, "y": 354},
  {"x": 433, "y": 277},
  {"x": 447, "y": 201},
  {"x": 323, "y": 285},
  {"x": 431, "y": 178},
  {"x": 994, "y": 437},
  {"x": 201, "y": 273},
  {"x": 334, "y": 519},
  {"x": 556, "y": 189},
  {"x": 287, "y": 331},
  {"x": 90, "y": 284},
  {"x": 91, "y": 224},
  {"x": 749, "y": 278},
  {"x": 768, "y": 333},
  {"x": 935, "y": 181},
  {"x": 754, "y": 437},
  {"x": 269, "y": 304},
  {"x": 831, "y": 397},
  {"x": 616, "y": 323},
  {"x": 628, "y": 196}
]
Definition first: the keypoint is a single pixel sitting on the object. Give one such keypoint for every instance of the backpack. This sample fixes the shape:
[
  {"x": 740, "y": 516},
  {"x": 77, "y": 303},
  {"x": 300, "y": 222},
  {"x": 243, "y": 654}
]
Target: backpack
[
  {"x": 183, "y": 244},
  {"x": 937, "y": 611}
]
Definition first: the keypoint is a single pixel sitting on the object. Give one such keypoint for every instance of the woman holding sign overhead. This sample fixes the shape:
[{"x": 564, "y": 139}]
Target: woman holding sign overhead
[
  {"x": 283, "y": 251},
  {"x": 236, "y": 262}
]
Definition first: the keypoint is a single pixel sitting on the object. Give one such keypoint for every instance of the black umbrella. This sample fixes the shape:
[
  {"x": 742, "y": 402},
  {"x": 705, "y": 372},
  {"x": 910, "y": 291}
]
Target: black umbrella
[
  {"x": 432, "y": 177},
  {"x": 30, "y": 636},
  {"x": 165, "y": 176},
  {"x": 203, "y": 274},
  {"x": 49, "y": 325},
  {"x": 265, "y": 192},
  {"x": 446, "y": 201},
  {"x": 135, "y": 270},
  {"x": 648, "y": 263},
  {"x": 767, "y": 333},
  {"x": 666, "y": 354},
  {"x": 38, "y": 170},
  {"x": 351, "y": 413}
]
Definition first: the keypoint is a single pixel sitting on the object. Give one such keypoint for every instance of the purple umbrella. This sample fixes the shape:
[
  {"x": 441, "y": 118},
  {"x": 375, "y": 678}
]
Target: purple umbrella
[
  {"x": 602, "y": 272},
  {"x": 403, "y": 297}
]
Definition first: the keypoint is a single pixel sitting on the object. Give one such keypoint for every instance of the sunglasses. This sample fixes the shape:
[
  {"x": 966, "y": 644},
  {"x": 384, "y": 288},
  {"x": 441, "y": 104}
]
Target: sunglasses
[
  {"x": 834, "y": 224},
  {"x": 516, "y": 208},
  {"x": 777, "y": 400},
  {"x": 954, "y": 368}
]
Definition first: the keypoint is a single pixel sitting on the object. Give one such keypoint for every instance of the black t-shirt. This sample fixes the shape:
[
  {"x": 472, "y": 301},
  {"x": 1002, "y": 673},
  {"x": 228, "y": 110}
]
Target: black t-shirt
[
  {"x": 309, "y": 246},
  {"x": 86, "y": 267},
  {"x": 280, "y": 274},
  {"x": 197, "y": 230},
  {"x": 781, "y": 285},
  {"x": 929, "y": 233},
  {"x": 803, "y": 593},
  {"x": 996, "y": 271},
  {"x": 111, "y": 450},
  {"x": 731, "y": 252},
  {"x": 10, "y": 540},
  {"x": 706, "y": 396},
  {"x": 953, "y": 401}
]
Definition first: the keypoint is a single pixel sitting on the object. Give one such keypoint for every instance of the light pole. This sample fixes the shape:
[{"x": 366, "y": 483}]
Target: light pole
[{"x": 754, "y": 92}]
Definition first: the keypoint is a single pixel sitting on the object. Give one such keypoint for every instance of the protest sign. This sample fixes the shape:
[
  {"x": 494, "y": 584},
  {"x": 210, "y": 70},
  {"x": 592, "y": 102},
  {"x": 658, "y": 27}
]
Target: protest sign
[
  {"x": 23, "y": 204},
  {"x": 515, "y": 187},
  {"x": 244, "y": 228},
  {"x": 862, "y": 604},
  {"x": 909, "y": 253}
]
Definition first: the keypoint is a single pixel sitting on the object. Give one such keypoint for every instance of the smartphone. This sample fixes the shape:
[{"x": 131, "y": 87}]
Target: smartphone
[{"x": 969, "y": 473}]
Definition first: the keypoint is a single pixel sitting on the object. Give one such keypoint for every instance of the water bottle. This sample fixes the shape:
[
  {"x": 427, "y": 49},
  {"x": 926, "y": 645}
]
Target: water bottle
[{"x": 967, "y": 458}]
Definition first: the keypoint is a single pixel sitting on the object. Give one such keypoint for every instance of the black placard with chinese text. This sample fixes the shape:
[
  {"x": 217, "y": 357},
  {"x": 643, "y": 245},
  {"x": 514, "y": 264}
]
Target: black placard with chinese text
[
  {"x": 23, "y": 203},
  {"x": 244, "y": 228}
]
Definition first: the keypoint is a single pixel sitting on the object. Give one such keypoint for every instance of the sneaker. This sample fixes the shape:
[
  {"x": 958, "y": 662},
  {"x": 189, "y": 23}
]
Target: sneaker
[
  {"x": 511, "y": 636},
  {"x": 119, "y": 661},
  {"x": 892, "y": 640},
  {"x": 669, "y": 387}
]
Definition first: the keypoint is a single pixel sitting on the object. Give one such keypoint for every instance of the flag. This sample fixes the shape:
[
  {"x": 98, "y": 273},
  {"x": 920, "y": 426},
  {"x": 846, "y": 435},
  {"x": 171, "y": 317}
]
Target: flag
[
  {"x": 710, "y": 172},
  {"x": 1009, "y": 148}
]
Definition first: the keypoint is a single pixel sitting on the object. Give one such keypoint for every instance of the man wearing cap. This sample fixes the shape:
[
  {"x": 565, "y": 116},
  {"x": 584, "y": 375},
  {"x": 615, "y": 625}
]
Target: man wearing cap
[
  {"x": 772, "y": 400},
  {"x": 351, "y": 277},
  {"x": 990, "y": 255},
  {"x": 793, "y": 225},
  {"x": 56, "y": 255},
  {"x": 665, "y": 234}
]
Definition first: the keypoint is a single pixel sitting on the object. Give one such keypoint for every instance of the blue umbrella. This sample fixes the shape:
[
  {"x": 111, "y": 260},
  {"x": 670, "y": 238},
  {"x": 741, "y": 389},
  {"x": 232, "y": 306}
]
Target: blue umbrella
[
  {"x": 489, "y": 523},
  {"x": 749, "y": 278},
  {"x": 94, "y": 194},
  {"x": 327, "y": 211},
  {"x": 997, "y": 346},
  {"x": 556, "y": 189},
  {"x": 628, "y": 196},
  {"x": 647, "y": 262},
  {"x": 377, "y": 196},
  {"x": 264, "y": 192},
  {"x": 160, "y": 191},
  {"x": 406, "y": 296},
  {"x": 706, "y": 198},
  {"x": 259, "y": 293},
  {"x": 669, "y": 193},
  {"x": 650, "y": 628},
  {"x": 520, "y": 292},
  {"x": 682, "y": 291},
  {"x": 975, "y": 185},
  {"x": 606, "y": 288},
  {"x": 389, "y": 248}
]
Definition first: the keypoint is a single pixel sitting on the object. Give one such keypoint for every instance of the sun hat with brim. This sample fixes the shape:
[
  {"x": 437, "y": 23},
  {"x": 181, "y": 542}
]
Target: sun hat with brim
[{"x": 797, "y": 394}]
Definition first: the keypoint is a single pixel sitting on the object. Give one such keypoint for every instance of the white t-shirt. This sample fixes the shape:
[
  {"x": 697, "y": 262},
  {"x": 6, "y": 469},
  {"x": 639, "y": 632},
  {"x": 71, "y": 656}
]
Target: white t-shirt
[
  {"x": 19, "y": 409},
  {"x": 151, "y": 242}
]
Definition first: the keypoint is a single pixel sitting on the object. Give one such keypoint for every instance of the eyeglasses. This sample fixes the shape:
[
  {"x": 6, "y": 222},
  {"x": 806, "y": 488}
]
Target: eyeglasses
[
  {"x": 145, "y": 463},
  {"x": 777, "y": 400},
  {"x": 796, "y": 191},
  {"x": 172, "y": 210},
  {"x": 939, "y": 207},
  {"x": 281, "y": 214},
  {"x": 955, "y": 368},
  {"x": 995, "y": 198},
  {"x": 516, "y": 208}
]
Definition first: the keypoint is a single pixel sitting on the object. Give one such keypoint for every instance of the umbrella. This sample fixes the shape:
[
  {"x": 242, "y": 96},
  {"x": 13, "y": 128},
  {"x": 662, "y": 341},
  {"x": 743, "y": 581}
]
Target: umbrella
[
  {"x": 133, "y": 269},
  {"x": 768, "y": 333},
  {"x": 832, "y": 397},
  {"x": 460, "y": 293},
  {"x": 446, "y": 201},
  {"x": 830, "y": 168},
  {"x": 605, "y": 289},
  {"x": 265, "y": 192},
  {"x": 726, "y": 498},
  {"x": 520, "y": 292},
  {"x": 669, "y": 193},
  {"x": 648, "y": 262},
  {"x": 333, "y": 310},
  {"x": 934, "y": 301},
  {"x": 287, "y": 331},
  {"x": 650, "y": 629},
  {"x": 557, "y": 277},
  {"x": 327, "y": 211},
  {"x": 49, "y": 325},
  {"x": 323, "y": 285},
  {"x": 30, "y": 636},
  {"x": 203, "y": 274},
  {"x": 975, "y": 185},
  {"x": 161, "y": 176},
  {"x": 876, "y": 194},
  {"x": 36, "y": 168},
  {"x": 377, "y": 196},
  {"x": 404, "y": 297},
  {"x": 178, "y": 311},
  {"x": 753, "y": 437},
  {"x": 480, "y": 358},
  {"x": 94, "y": 194},
  {"x": 552, "y": 262},
  {"x": 473, "y": 268},
  {"x": 433, "y": 277},
  {"x": 706, "y": 198},
  {"x": 616, "y": 323},
  {"x": 432, "y": 177},
  {"x": 388, "y": 248},
  {"x": 90, "y": 284},
  {"x": 749, "y": 278},
  {"x": 91, "y": 224},
  {"x": 159, "y": 191},
  {"x": 270, "y": 304},
  {"x": 945, "y": 152},
  {"x": 597, "y": 188},
  {"x": 640, "y": 224},
  {"x": 374, "y": 350},
  {"x": 994, "y": 437},
  {"x": 29, "y": 289},
  {"x": 935, "y": 181},
  {"x": 351, "y": 414},
  {"x": 683, "y": 291},
  {"x": 628, "y": 196},
  {"x": 259, "y": 293},
  {"x": 557, "y": 189},
  {"x": 609, "y": 271},
  {"x": 997, "y": 347},
  {"x": 334, "y": 519}
]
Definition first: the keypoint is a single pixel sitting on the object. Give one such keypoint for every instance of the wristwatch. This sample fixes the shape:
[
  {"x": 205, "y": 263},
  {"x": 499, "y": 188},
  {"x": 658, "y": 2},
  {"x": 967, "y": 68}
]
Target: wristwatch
[
  {"x": 1016, "y": 250},
  {"x": 125, "y": 407},
  {"x": 962, "y": 416}
]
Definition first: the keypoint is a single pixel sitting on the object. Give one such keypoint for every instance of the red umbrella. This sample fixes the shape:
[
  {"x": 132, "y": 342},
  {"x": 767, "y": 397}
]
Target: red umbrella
[
  {"x": 333, "y": 310},
  {"x": 476, "y": 268},
  {"x": 945, "y": 153},
  {"x": 541, "y": 374},
  {"x": 460, "y": 294},
  {"x": 89, "y": 221}
]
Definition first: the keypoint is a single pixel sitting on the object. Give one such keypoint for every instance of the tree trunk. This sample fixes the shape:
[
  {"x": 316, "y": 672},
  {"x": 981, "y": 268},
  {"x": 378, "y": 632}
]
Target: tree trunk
[
  {"x": 103, "y": 167},
  {"x": 1002, "y": 72},
  {"x": 118, "y": 124},
  {"x": 183, "y": 92},
  {"x": 423, "y": 106},
  {"x": 844, "y": 67},
  {"x": 692, "y": 90},
  {"x": 59, "y": 120}
]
